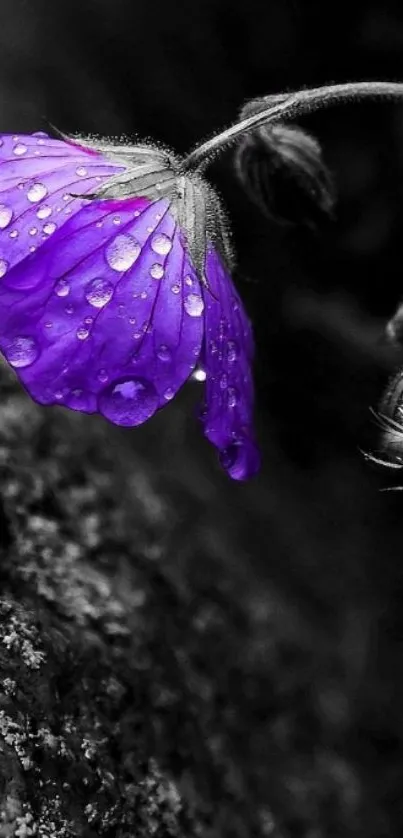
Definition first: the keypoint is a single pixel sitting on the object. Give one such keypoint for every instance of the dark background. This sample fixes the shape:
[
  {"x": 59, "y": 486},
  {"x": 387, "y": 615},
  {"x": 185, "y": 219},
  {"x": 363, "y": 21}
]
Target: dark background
[{"x": 277, "y": 604}]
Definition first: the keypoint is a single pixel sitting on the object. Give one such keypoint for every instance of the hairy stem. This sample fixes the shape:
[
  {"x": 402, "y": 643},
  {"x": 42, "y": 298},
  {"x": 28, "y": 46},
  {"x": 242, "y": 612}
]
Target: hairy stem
[{"x": 290, "y": 106}]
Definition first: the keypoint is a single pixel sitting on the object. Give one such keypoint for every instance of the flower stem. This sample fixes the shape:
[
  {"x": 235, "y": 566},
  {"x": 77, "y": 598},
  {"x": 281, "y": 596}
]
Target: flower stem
[{"x": 289, "y": 106}]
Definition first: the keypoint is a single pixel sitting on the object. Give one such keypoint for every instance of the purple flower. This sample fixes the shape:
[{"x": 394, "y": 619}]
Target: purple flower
[{"x": 115, "y": 285}]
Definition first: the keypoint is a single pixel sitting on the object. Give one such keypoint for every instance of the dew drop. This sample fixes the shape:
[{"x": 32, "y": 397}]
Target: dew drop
[
  {"x": 36, "y": 192},
  {"x": 150, "y": 229},
  {"x": 102, "y": 376},
  {"x": 22, "y": 352},
  {"x": 169, "y": 394},
  {"x": 3, "y": 267},
  {"x": 32, "y": 248},
  {"x": 81, "y": 171},
  {"x": 156, "y": 271},
  {"x": 175, "y": 288},
  {"x": 82, "y": 333},
  {"x": 66, "y": 197},
  {"x": 232, "y": 351},
  {"x": 232, "y": 397},
  {"x": 6, "y": 215},
  {"x": 188, "y": 280},
  {"x": 13, "y": 234},
  {"x": 161, "y": 244},
  {"x": 20, "y": 149},
  {"x": 121, "y": 311},
  {"x": 49, "y": 228},
  {"x": 99, "y": 292},
  {"x": 88, "y": 321},
  {"x": 224, "y": 381},
  {"x": 129, "y": 402},
  {"x": 164, "y": 354},
  {"x": 194, "y": 305},
  {"x": 143, "y": 295},
  {"x": 213, "y": 347},
  {"x": 132, "y": 321},
  {"x": 122, "y": 253},
  {"x": 40, "y": 134},
  {"x": 59, "y": 395},
  {"x": 48, "y": 324},
  {"x": 62, "y": 288},
  {"x": 116, "y": 219},
  {"x": 69, "y": 309},
  {"x": 44, "y": 211},
  {"x": 199, "y": 374},
  {"x": 33, "y": 231}
]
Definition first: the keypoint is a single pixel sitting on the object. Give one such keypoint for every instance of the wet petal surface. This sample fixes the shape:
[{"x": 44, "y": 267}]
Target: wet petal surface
[
  {"x": 107, "y": 315},
  {"x": 226, "y": 359},
  {"x": 37, "y": 176}
]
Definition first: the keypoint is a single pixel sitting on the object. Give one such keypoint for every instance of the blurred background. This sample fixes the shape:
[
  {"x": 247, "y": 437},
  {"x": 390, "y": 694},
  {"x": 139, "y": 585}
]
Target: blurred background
[{"x": 303, "y": 565}]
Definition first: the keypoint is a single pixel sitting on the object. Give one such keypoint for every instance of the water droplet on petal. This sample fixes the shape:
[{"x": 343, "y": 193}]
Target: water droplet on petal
[
  {"x": 13, "y": 234},
  {"x": 129, "y": 402},
  {"x": 88, "y": 321},
  {"x": 59, "y": 395},
  {"x": 163, "y": 353},
  {"x": 82, "y": 333},
  {"x": 69, "y": 309},
  {"x": 44, "y": 211},
  {"x": 48, "y": 324},
  {"x": 102, "y": 376},
  {"x": 213, "y": 347},
  {"x": 194, "y": 305},
  {"x": 99, "y": 292},
  {"x": 175, "y": 289},
  {"x": 62, "y": 288},
  {"x": 6, "y": 215},
  {"x": 199, "y": 374},
  {"x": 3, "y": 267},
  {"x": 169, "y": 394},
  {"x": 49, "y": 228},
  {"x": 232, "y": 397},
  {"x": 232, "y": 351},
  {"x": 143, "y": 295},
  {"x": 121, "y": 311},
  {"x": 188, "y": 280},
  {"x": 157, "y": 271},
  {"x": 161, "y": 244},
  {"x": 33, "y": 231},
  {"x": 116, "y": 219},
  {"x": 40, "y": 134},
  {"x": 66, "y": 197},
  {"x": 32, "y": 248},
  {"x": 81, "y": 171},
  {"x": 21, "y": 352},
  {"x": 224, "y": 381},
  {"x": 36, "y": 192},
  {"x": 122, "y": 253},
  {"x": 19, "y": 149}
]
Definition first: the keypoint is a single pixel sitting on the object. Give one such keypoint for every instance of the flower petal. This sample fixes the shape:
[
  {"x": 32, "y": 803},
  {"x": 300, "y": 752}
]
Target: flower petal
[
  {"x": 105, "y": 317},
  {"x": 226, "y": 357},
  {"x": 37, "y": 175}
]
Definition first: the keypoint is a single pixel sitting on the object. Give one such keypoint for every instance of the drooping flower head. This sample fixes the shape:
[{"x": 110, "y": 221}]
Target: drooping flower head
[
  {"x": 115, "y": 284},
  {"x": 115, "y": 269}
]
